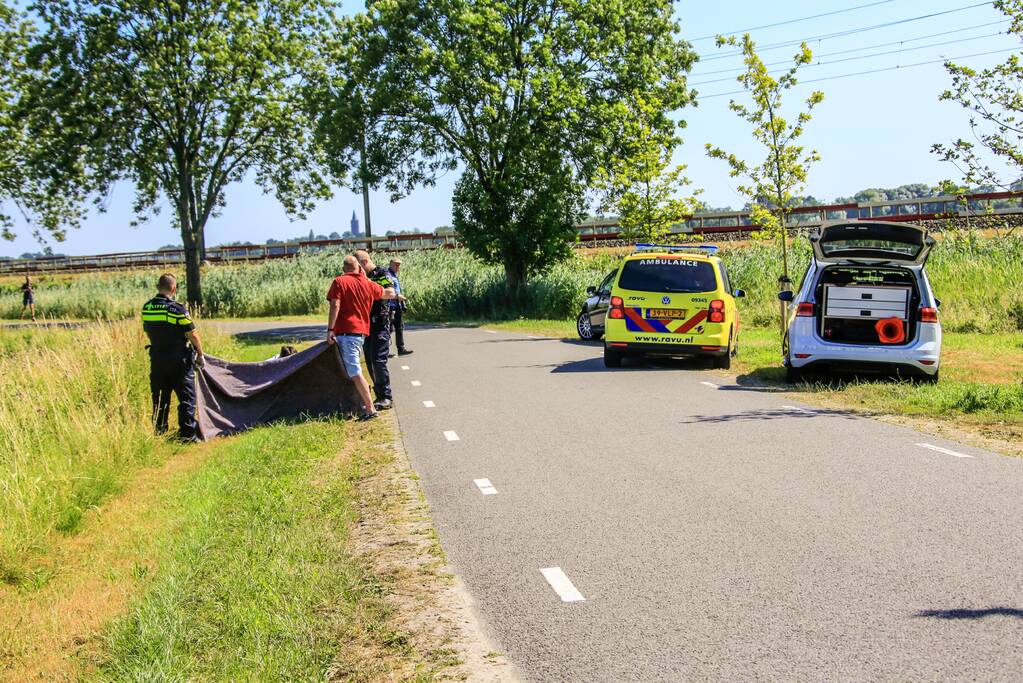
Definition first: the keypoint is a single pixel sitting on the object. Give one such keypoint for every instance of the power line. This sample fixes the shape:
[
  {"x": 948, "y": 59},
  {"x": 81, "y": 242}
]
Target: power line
[
  {"x": 853, "y": 59},
  {"x": 871, "y": 47},
  {"x": 871, "y": 71},
  {"x": 800, "y": 19},
  {"x": 849, "y": 32}
]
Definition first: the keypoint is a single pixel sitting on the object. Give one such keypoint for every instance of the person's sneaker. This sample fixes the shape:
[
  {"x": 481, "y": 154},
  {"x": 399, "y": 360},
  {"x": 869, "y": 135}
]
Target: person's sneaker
[
  {"x": 366, "y": 417},
  {"x": 385, "y": 404},
  {"x": 404, "y": 352}
]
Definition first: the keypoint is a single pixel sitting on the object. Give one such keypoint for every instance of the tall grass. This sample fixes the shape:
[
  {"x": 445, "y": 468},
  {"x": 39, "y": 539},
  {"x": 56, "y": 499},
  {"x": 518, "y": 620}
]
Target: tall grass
[
  {"x": 74, "y": 424},
  {"x": 978, "y": 280}
]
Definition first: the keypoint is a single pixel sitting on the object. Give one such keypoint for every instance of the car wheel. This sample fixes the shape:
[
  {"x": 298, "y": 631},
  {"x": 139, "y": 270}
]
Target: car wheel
[
  {"x": 612, "y": 359},
  {"x": 725, "y": 362},
  {"x": 583, "y": 326},
  {"x": 793, "y": 375}
]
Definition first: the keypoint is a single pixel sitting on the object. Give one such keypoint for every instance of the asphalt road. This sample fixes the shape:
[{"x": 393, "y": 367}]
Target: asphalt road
[{"x": 712, "y": 531}]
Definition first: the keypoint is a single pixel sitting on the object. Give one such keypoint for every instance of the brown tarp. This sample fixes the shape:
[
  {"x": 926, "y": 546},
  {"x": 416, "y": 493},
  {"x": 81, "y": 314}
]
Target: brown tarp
[{"x": 233, "y": 397}]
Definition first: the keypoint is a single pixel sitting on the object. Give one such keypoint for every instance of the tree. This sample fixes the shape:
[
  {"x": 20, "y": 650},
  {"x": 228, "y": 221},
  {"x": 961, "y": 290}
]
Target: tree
[
  {"x": 529, "y": 98},
  {"x": 182, "y": 99},
  {"x": 992, "y": 98},
  {"x": 641, "y": 188},
  {"x": 774, "y": 184},
  {"x": 13, "y": 45}
]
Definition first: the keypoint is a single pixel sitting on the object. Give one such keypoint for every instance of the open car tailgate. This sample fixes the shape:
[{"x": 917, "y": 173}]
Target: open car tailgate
[{"x": 856, "y": 242}]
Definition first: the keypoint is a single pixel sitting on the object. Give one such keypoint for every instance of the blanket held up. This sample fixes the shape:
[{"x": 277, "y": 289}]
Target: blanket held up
[{"x": 233, "y": 397}]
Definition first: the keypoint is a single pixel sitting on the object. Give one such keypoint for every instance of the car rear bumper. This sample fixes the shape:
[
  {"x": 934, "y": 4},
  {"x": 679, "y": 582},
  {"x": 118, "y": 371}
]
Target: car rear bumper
[
  {"x": 807, "y": 349},
  {"x": 650, "y": 349}
]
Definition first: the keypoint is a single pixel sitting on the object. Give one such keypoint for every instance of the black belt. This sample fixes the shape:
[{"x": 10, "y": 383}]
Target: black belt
[{"x": 348, "y": 334}]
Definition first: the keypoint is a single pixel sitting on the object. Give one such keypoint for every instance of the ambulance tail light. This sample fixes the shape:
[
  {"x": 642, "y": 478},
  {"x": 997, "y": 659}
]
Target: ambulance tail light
[
  {"x": 717, "y": 311},
  {"x": 928, "y": 315},
  {"x": 804, "y": 310},
  {"x": 617, "y": 311}
]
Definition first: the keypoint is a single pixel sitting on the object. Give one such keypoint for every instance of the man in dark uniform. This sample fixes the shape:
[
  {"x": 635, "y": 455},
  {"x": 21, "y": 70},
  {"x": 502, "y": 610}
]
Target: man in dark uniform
[
  {"x": 398, "y": 309},
  {"x": 172, "y": 361},
  {"x": 378, "y": 343}
]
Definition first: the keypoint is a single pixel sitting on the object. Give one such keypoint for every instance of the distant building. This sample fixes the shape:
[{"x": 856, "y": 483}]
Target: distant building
[{"x": 355, "y": 226}]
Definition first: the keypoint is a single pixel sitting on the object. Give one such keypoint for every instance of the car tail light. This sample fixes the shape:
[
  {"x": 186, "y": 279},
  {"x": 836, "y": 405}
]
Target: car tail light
[
  {"x": 616, "y": 312},
  {"x": 928, "y": 314},
  {"x": 928, "y": 362},
  {"x": 803, "y": 355},
  {"x": 717, "y": 311},
  {"x": 804, "y": 310}
]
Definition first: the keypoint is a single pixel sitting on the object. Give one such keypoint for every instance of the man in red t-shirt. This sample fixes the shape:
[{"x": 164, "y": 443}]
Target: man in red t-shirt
[{"x": 351, "y": 298}]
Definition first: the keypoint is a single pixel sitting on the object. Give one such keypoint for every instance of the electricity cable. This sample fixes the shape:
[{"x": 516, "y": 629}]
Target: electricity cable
[
  {"x": 848, "y": 32},
  {"x": 852, "y": 59},
  {"x": 796, "y": 21},
  {"x": 868, "y": 47},
  {"x": 871, "y": 71}
]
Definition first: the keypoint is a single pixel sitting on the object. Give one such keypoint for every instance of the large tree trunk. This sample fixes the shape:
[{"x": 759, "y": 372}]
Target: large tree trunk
[
  {"x": 514, "y": 272},
  {"x": 192, "y": 263}
]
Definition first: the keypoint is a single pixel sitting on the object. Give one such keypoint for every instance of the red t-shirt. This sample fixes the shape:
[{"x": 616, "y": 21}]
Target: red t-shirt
[{"x": 356, "y": 294}]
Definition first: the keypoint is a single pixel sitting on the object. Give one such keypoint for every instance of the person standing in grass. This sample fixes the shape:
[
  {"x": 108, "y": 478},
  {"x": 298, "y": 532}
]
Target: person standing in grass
[
  {"x": 172, "y": 361},
  {"x": 398, "y": 310},
  {"x": 352, "y": 298},
  {"x": 378, "y": 343},
  {"x": 28, "y": 302}
]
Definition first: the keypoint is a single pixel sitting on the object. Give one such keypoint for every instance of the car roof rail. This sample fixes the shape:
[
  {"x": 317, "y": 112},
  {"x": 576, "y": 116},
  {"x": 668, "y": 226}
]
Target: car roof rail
[{"x": 705, "y": 249}]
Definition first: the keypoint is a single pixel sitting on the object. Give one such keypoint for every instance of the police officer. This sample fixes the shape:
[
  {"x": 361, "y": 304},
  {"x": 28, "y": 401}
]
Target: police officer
[
  {"x": 172, "y": 361},
  {"x": 378, "y": 344}
]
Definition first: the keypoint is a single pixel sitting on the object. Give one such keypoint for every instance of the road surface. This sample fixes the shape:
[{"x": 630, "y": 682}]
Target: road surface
[{"x": 668, "y": 524}]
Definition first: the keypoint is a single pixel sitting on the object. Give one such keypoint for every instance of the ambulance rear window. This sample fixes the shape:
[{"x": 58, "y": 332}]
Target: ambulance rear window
[{"x": 668, "y": 275}]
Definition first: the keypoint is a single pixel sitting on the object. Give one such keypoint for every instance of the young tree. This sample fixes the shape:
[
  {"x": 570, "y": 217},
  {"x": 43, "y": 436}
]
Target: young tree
[
  {"x": 182, "y": 99},
  {"x": 992, "y": 97},
  {"x": 530, "y": 98},
  {"x": 774, "y": 184},
  {"x": 641, "y": 188}
]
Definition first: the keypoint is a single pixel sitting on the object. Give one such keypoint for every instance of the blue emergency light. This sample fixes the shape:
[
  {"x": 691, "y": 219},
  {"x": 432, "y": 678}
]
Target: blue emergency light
[{"x": 708, "y": 248}]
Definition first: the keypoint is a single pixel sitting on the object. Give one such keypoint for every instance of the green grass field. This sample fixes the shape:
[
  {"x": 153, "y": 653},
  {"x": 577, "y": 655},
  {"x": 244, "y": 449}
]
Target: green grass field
[{"x": 978, "y": 280}]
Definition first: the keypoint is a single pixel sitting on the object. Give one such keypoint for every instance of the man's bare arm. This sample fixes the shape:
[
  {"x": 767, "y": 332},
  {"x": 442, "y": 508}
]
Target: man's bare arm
[
  {"x": 335, "y": 308},
  {"x": 193, "y": 339}
]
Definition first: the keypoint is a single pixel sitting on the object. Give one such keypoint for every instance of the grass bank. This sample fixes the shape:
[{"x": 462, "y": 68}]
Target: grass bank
[
  {"x": 130, "y": 558},
  {"x": 978, "y": 278}
]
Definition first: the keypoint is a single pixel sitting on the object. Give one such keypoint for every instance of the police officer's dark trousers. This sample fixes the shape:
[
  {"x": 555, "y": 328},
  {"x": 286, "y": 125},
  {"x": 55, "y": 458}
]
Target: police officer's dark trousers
[
  {"x": 173, "y": 373},
  {"x": 376, "y": 347},
  {"x": 398, "y": 325}
]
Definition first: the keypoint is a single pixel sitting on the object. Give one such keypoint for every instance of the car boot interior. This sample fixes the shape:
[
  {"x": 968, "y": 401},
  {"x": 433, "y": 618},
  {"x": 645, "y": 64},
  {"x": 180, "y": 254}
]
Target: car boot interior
[{"x": 853, "y": 299}]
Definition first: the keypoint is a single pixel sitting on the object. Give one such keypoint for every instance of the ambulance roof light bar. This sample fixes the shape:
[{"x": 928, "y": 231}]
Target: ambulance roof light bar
[{"x": 709, "y": 249}]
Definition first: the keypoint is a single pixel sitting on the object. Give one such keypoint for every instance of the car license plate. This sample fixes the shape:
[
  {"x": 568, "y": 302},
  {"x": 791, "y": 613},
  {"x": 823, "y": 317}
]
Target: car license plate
[{"x": 665, "y": 313}]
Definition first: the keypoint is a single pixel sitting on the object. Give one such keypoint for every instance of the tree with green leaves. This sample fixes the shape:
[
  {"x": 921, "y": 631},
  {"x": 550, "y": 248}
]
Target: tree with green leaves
[
  {"x": 181, "y": 98},
  {"x": 529, "y": 98},
  {"x": 774, "y": 184},
  {"x": 642, "y": 186},
  {"x": 992, "y": 98}
]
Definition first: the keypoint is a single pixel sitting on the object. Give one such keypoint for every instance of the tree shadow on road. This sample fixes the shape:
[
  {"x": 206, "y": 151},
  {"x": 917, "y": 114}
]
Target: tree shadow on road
[
  {"x": 971, "y": 613},
  {"x": 770, "y": 414}
]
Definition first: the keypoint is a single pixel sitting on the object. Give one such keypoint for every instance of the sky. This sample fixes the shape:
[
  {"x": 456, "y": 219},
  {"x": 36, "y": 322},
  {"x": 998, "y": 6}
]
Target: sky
[{"x": 872, "y": 130}]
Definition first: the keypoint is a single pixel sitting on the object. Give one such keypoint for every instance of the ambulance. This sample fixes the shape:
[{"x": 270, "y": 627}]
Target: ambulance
[{"x": 672, "y": 301}]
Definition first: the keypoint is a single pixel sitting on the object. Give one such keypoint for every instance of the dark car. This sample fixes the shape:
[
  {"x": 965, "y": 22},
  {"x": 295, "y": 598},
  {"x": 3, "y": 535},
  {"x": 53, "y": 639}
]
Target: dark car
[{"x": 590, "y": 323}]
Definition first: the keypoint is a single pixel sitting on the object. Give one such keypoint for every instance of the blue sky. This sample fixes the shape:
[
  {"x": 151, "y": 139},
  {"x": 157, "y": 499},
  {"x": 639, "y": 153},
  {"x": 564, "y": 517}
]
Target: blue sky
[{"x": 872, "y": 130}]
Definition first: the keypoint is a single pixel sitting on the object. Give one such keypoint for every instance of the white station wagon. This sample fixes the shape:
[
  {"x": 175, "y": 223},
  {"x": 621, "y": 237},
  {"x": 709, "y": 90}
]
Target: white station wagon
[{"x": 865, "y": 304}]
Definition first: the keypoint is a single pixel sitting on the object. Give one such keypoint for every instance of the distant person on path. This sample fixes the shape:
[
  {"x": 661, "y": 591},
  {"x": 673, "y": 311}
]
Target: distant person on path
[
  {"x": 352, "y": 299},
  {"x": 174, "y": 353},
  {"x": 28, "y": 301},
  {"x": 398, "y": 307},
  {"x": 378, "y": 344}
]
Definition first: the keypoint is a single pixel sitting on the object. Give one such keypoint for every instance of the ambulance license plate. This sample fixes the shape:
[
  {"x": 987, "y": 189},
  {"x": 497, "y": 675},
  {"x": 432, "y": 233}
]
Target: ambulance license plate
[{"x": 665, "y": 313}]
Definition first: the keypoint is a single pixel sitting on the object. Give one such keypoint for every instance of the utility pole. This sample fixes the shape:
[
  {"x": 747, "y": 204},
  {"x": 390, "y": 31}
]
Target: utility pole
[{"x": 364, "y": 172}]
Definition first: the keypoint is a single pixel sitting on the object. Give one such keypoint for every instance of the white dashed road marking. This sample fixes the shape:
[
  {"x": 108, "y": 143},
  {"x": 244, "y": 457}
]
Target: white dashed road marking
[
  {"x": 709, "y": 384},
  {"x": 429, "y": 404},
  {"x": 946, "y": 451},
  {"x": 485, "y": 487},
  {"x": 490, "y": 331},
  {"x": 561, "y": 585},
  {"x": 404, "y": 367},
  {"x": 532, "y": 337},
  {"x": 799, "y": 410},
  {"x": 451, "y": 436},
  {"x": 416, "y": 383}
]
